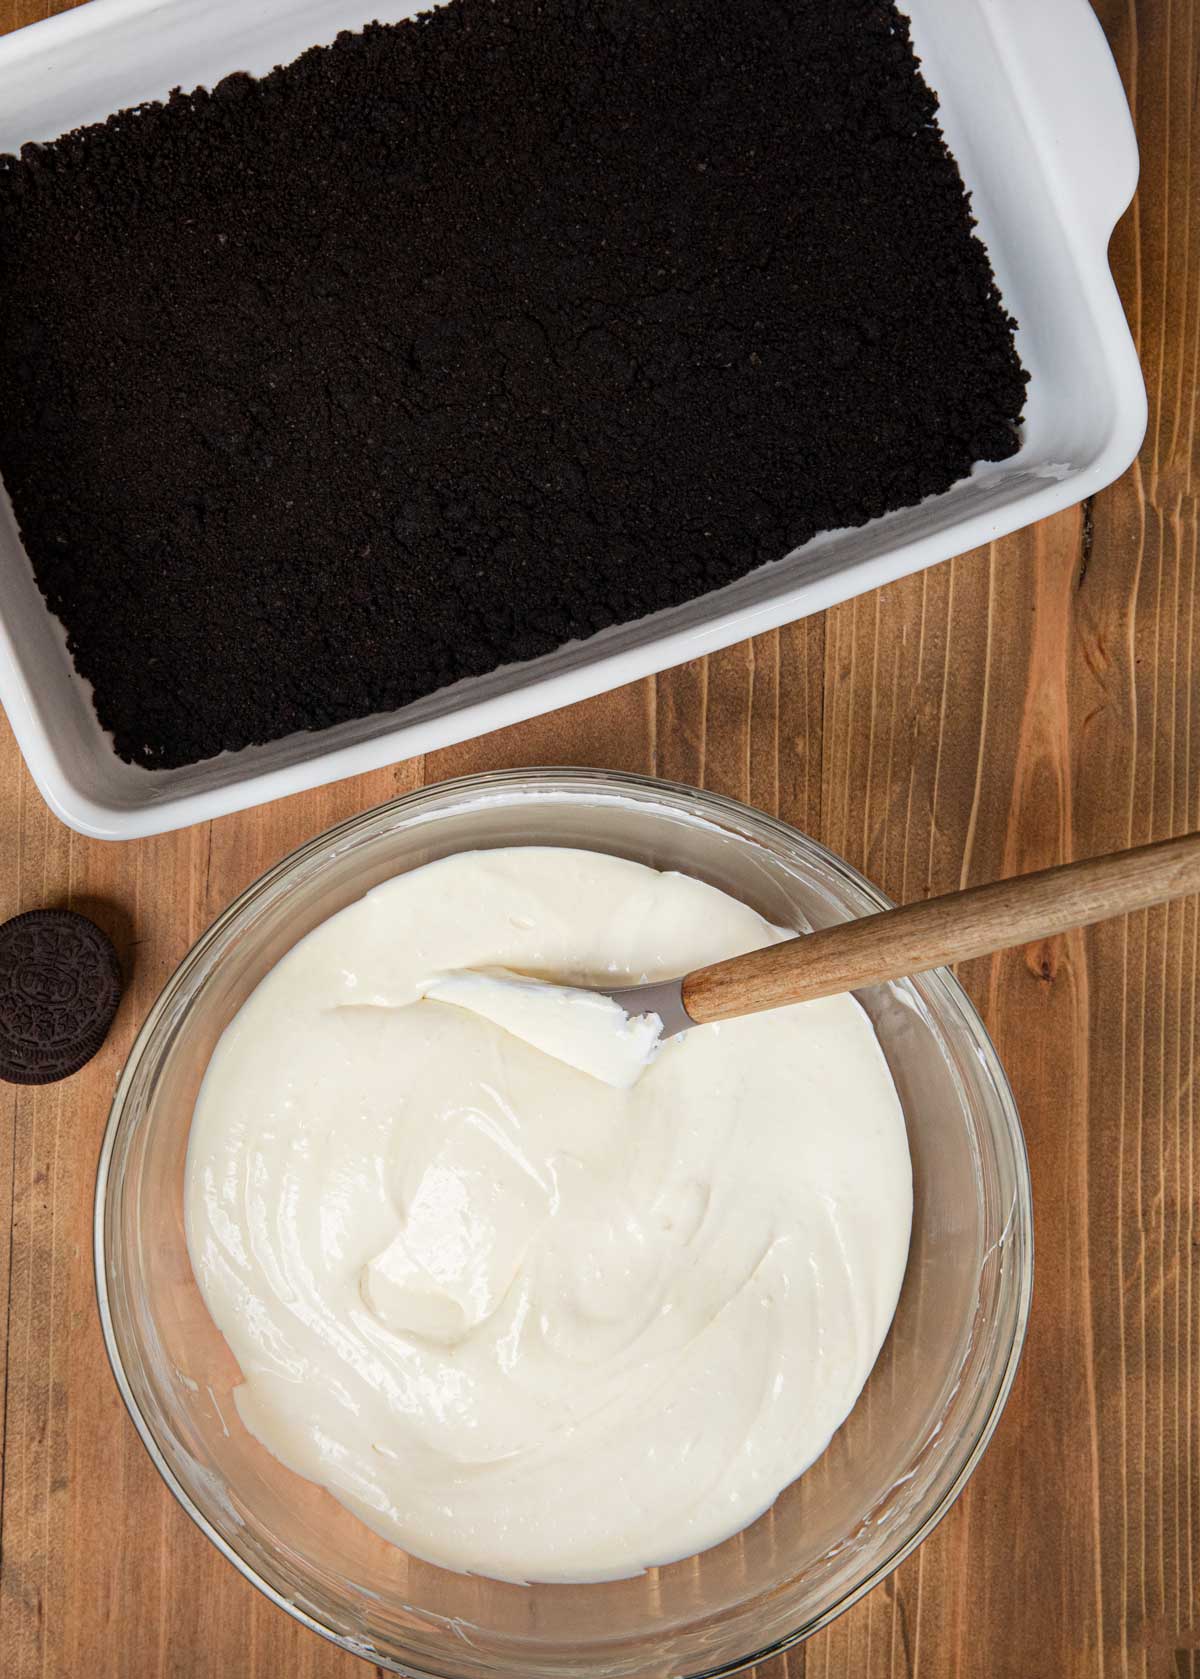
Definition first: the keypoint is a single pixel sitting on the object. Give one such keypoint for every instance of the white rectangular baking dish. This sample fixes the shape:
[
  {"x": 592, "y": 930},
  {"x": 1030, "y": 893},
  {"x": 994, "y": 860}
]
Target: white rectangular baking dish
[{"x": 1032, "y": 108}]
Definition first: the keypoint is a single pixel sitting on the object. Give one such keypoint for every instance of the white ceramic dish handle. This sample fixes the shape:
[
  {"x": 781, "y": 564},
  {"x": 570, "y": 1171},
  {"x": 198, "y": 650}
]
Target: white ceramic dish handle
[{"x": 1062, "y": 68}]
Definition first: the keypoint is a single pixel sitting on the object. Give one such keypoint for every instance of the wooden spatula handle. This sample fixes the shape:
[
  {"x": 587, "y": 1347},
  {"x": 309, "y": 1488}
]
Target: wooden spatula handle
[{"x": 944, "y": 930}]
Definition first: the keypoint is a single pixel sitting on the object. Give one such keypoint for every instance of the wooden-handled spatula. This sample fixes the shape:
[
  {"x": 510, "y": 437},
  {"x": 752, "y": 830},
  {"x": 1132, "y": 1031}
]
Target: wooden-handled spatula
[{"x": 916, "y": 937}]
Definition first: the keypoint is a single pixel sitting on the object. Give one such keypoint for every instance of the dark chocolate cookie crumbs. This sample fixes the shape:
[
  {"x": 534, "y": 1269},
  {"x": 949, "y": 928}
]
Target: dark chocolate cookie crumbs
[
  {"x": 60, "y": 984},
  {"x": 465, "y": 337}
]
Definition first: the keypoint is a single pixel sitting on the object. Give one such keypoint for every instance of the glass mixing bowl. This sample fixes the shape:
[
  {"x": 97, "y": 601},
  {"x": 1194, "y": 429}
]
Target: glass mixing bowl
[{"x": 893, "y": 1468}]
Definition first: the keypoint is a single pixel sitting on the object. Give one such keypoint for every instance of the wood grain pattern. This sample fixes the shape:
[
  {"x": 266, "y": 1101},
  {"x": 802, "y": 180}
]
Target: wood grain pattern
[{"x": 1026, "y": 704}]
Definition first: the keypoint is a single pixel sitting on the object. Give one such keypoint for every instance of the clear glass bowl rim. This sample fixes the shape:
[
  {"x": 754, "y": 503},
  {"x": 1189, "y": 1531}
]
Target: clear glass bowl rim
[{"x": 570, "y": 780}]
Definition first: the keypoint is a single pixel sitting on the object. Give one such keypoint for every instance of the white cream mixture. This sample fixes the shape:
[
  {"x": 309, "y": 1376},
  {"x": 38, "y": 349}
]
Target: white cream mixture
[
  {"x": 524, "y": 1323},
  {"x": 585, "y": 1029}
]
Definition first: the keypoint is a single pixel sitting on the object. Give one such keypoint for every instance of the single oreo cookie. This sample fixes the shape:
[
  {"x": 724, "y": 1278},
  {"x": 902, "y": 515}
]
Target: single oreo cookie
[{"x": 60, "y": 984}]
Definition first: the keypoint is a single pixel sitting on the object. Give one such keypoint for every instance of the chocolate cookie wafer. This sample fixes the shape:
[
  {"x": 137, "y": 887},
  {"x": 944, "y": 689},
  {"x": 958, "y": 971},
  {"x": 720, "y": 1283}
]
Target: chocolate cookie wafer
[{"x": 60, "y": 984}]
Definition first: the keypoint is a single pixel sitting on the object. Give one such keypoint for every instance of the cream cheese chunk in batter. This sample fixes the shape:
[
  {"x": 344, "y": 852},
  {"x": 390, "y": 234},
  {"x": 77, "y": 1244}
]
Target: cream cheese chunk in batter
[{"x": 525, "y": 1323}]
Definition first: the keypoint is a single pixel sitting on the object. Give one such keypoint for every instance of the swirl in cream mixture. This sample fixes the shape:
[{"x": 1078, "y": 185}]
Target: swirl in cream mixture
[{"x": 522, "y": 1323}]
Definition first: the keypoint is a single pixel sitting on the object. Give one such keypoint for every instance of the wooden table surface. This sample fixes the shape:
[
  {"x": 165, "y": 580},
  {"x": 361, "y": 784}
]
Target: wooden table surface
[{"x": 1020, "y": 706}]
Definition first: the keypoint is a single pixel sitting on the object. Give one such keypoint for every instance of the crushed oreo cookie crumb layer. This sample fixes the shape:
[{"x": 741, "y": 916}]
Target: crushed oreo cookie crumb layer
[{"x": 462, "y": 338}]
